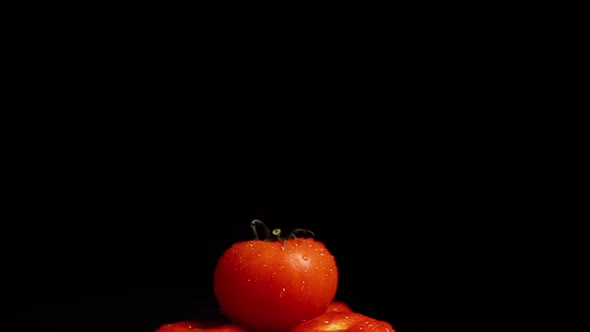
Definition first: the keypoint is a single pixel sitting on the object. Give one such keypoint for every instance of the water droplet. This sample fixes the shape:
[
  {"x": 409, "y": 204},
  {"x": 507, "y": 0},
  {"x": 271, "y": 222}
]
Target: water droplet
[
  {"x": 282, "y": 293},
  {"x": 302, "y": 286},
  {"x": 304, "y": 257},
  {"x": 326, "y": 322}
]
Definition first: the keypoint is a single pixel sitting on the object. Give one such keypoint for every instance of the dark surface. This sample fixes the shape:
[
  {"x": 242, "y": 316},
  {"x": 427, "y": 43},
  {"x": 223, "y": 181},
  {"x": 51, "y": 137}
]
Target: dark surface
[{"x": 186, "y": 131}]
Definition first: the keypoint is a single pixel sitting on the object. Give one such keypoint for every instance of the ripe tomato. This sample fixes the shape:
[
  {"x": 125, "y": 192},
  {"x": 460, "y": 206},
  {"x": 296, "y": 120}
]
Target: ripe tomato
[
  {"x": 190, "y": 326},
  {"x": 275, "y": 285},
  {"x": 338, "y": 306},
  {"x": 343, "y": 321}
]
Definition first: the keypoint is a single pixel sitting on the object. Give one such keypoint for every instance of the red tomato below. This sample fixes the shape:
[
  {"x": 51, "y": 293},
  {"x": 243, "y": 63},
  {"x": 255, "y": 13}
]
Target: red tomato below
[
  {"x": 191, "y": 326},
  {"x": 343, "y": 321},
  {"x": 338, "y": 306},
  {"x": 338, "y": 317}
]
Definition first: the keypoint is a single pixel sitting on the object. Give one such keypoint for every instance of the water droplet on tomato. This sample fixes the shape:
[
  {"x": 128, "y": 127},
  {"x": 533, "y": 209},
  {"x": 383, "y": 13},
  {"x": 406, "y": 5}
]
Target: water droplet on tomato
[
  {"x": 304, "y": 257},
  {"x": 282, "y": 293},
  {"x": 302, "y": 286}
]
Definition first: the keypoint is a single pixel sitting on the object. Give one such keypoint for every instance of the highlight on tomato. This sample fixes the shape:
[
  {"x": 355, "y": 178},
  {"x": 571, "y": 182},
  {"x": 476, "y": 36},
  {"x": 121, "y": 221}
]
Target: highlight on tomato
[
  {"x": 343, "y": 321},
  {"x": 192, "y": 326},
  {"x": 274, "y": 282},
  {"x": 338, "y": 306}
]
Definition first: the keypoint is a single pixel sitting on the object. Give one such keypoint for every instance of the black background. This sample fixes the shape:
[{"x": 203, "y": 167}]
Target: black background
[{"x": 183, "y": 126}]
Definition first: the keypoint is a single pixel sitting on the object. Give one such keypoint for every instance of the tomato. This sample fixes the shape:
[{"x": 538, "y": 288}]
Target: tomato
[
  {"x": 338, "y": 306},
  {"x": 343, "y": 321},
  {"x": 275, "y": 285},
  {"x": 191, "y": 326}
]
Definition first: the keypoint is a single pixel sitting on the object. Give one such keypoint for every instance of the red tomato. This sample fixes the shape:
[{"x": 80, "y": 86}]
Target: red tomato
[
  {"x": 343, "y": 321},
  {"x": 190, "y": 326},
  {"x": 275, "y": 285},
  {"x": 338, "y": 306}
]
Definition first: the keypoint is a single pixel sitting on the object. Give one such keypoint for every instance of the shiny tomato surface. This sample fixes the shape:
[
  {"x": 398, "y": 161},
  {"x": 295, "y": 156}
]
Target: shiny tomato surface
[
  {"x": 343, "y": 321},
  {"x": 191, "y": 326},
  {"x": 275, "y": 285},
  {"x": 338, "y": 306}
]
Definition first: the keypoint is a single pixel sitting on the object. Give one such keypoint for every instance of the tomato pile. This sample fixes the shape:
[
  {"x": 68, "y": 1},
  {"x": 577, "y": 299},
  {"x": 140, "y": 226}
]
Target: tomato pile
[{"x": 279, "y": 284}]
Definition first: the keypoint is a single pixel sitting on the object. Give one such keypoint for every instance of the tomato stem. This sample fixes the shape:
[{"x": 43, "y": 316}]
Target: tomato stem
[
  {"x": 296, "y": 231},
  {"x": 257, "y": 223},
  {"x": 276, "y": 233}
]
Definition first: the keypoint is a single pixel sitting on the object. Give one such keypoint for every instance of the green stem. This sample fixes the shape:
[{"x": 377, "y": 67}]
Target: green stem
[
  {"x": 276, "y": 233},
  {"x": 296, "y": 231},
  {"x": 257, "y": 223}
]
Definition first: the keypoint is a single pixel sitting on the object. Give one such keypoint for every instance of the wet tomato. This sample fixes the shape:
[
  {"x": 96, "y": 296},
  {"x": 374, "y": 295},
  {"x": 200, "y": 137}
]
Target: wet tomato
[
  {"x": 338, "y": 306},
  {"x": 274, "y": 285},
  {"x": 343, "y": 321},
  {"x": 191, "y": 326}
]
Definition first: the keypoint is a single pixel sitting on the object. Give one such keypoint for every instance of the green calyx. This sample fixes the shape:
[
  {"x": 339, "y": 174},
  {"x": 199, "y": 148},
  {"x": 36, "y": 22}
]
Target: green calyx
[{"x": 275, "y": 235}]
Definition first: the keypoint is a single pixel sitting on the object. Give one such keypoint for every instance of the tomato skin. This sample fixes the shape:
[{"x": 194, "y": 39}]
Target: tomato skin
[
  {"x": 192, "y": 326},
  {"x": 267, "y": 287},
  {"x": 338, "y": 306},
  {"x": 343, "y": 321}
]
